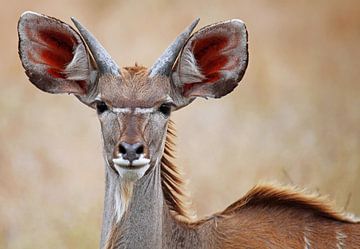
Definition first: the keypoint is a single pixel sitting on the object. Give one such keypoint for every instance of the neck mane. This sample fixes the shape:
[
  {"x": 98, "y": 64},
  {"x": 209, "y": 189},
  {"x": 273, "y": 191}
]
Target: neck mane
[{"x": 172, "y": 182}]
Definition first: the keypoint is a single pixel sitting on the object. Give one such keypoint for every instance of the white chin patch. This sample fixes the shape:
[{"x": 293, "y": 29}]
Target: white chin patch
[{"x": 133, "y": 171}]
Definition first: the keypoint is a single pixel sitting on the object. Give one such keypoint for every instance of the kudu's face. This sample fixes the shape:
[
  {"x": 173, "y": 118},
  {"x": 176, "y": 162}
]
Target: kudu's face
[
  {"x": 133, "y": 112},
  {"x": 133, "y": 103}
]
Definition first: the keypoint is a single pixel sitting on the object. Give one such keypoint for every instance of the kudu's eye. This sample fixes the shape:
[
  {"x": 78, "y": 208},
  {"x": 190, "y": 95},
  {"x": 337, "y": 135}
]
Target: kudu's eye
[
  {"x": 101, "y": 107},
  {"x": 165, "y": 109}
]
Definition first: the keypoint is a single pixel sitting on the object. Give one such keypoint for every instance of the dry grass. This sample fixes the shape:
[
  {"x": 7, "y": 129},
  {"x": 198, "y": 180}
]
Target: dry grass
[{"x": 295, "y": 118}]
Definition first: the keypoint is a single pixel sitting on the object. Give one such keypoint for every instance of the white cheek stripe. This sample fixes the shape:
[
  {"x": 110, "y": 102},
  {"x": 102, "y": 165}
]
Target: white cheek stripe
[
  {"x": 137, "y": 110},
  {"x": 121, "y": 110}
]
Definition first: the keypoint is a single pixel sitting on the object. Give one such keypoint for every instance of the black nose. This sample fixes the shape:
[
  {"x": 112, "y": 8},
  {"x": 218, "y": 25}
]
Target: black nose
[{"x": 131, "y": 152}]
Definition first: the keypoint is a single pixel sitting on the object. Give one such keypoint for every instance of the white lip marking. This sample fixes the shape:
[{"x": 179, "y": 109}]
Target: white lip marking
[
  {"x": 141, "y": 161},
  {"x": 121, "y": 161},
  {"x": 131, "y": 171}
]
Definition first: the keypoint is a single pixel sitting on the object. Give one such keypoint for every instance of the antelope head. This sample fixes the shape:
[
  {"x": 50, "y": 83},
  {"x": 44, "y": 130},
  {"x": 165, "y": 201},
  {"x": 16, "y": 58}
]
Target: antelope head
[{"x": 133, "y": 103}]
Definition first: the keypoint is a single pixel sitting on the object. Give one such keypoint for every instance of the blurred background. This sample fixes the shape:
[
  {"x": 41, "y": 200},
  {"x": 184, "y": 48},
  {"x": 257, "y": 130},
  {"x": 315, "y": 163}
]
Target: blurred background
[{"x": 295, "y": 118}]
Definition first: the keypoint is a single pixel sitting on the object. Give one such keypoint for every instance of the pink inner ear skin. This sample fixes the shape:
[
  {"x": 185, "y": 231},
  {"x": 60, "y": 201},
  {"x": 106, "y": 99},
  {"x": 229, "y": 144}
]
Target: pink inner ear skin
[
  {"x": 207, "y": 53},
  {"x": 59, "y": 52},
  {"x": 186, "y": 88},
  {"x": 56, "y": 73},
  {"x": 55, "y": 58},
  {"x": 83, "y": 85}
]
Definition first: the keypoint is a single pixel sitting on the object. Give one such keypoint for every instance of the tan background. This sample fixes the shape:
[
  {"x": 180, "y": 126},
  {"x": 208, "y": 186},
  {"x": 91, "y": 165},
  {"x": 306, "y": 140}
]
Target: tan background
[{"x": 295, "y": 117}]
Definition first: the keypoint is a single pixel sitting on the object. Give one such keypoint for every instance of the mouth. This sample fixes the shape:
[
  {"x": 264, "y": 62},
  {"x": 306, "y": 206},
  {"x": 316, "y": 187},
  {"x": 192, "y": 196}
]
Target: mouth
[{"x": 131, "y": 170}]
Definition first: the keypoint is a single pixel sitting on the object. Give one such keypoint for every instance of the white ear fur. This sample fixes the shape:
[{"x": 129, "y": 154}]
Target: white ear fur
[
  {"x": 191, "y": 72},
  {"x": 78, "y": 68}
]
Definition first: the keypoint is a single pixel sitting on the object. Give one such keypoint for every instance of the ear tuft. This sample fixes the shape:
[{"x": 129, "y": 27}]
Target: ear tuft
[
  {"x": 213, "y": 60},
  {"x": 53, "y": 54}
]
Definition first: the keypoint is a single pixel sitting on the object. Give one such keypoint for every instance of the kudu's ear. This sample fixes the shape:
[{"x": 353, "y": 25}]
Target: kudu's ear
[
  {"x": 213, "y": 61},
  {"x": 53, "y": 55}
]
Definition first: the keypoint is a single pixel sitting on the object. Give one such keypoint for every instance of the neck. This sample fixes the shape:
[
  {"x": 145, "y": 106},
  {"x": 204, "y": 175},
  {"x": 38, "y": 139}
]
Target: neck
[
  {"x": 109, "y": 203},
  {"x": 142, "y": 215},
  {"x": 133, "y": 212}
]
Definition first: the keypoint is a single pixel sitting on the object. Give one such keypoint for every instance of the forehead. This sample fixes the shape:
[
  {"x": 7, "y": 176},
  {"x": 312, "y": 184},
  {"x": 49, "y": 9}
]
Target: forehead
[{"x": 133, "y": 88}]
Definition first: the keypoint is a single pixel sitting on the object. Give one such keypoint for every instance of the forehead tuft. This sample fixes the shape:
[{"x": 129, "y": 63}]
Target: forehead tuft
[
  {"x": 134, "y": 88},
  {"x": 135, "y": 70}
]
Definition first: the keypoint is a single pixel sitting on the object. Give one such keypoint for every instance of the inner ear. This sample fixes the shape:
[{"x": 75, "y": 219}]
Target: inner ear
[
  {"x": 52, "y": 48},
  {"x": 208, "y": 56}
]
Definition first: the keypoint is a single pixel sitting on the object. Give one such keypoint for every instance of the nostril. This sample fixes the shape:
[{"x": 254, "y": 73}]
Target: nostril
[
  {"x": 122, "y": 149},
  {"x": 140, "y": 149},
  {"x": 131, "y": 152}
]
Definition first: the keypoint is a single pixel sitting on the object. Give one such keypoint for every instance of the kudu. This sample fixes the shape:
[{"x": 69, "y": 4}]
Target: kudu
[{"x": 144, "y": 203}]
